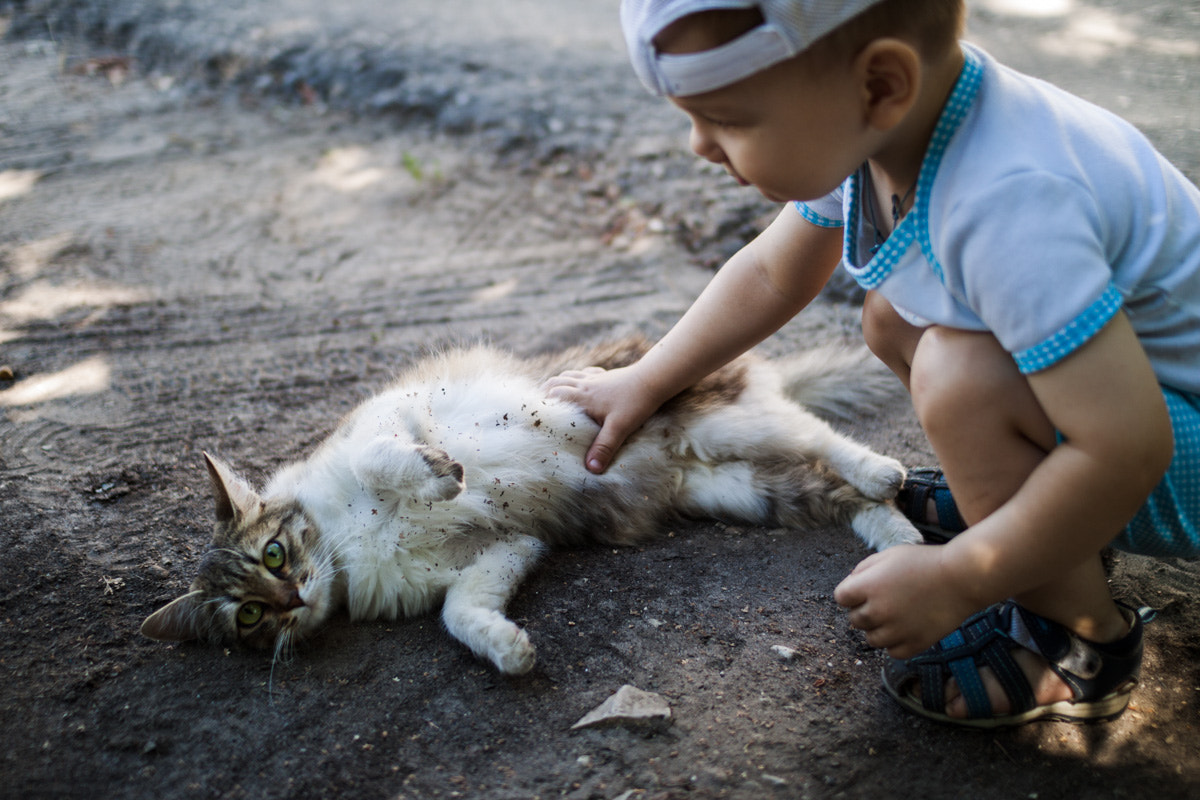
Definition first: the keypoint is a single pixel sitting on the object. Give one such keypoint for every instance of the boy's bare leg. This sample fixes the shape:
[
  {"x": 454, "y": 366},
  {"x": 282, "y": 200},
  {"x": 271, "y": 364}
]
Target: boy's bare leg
[{"x": 989, "y": 433}]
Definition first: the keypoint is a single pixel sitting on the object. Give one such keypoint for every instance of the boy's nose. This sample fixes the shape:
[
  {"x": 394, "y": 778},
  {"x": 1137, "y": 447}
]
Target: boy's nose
[{"x": 705, "y": 147}]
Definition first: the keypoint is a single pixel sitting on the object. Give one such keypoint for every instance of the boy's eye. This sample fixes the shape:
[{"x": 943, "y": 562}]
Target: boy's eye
[
  {"x": 249, "y": 614},
  {"x": 273, "y": 555},
  {"x": 721, "y": 121}
]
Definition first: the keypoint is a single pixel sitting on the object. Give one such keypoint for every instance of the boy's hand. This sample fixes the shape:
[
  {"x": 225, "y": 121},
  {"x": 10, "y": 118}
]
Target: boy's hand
[
  {"x": 616, "y": 399},
  {"x": 904, "y": 599}
]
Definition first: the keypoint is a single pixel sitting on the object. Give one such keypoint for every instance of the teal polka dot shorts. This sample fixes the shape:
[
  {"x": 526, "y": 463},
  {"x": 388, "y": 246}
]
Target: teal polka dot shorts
[{"x": 1169, "y": 523}]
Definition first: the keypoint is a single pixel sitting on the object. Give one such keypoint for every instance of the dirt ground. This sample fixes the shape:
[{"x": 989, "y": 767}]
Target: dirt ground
[{"x": 222, "y": 225}]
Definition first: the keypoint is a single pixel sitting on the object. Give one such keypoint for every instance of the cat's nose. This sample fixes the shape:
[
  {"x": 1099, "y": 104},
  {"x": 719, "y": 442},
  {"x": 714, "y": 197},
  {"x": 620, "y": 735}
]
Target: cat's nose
[{"x": 293, "y": 600}]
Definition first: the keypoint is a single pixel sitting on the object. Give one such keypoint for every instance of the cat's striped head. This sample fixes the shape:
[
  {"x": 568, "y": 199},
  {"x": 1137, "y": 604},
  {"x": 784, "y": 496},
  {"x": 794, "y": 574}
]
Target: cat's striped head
[{"x": 265, "y": 581}]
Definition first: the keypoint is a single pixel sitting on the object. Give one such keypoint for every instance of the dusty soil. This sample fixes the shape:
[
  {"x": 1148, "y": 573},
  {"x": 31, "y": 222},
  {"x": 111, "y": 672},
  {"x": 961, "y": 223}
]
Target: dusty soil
[{"x": 200, "y": 250}]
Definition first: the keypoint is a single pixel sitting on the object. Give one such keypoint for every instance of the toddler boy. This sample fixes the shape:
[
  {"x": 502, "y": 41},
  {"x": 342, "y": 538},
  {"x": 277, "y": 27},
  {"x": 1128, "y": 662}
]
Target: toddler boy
[{"x": 1033, "y": 267}]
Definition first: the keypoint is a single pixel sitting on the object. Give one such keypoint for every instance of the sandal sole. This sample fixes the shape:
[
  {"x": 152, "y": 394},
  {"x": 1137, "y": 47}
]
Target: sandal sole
[{"x": 1106, "y": 708}]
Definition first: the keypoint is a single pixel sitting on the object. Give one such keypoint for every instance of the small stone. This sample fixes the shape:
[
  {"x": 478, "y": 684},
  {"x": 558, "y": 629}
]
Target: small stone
[
  {"x": 783, "y": 653},
  {"x": 630, "y": 707}
]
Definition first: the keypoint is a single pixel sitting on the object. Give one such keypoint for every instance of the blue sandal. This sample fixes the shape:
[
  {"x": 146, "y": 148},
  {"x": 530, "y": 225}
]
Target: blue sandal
[
  {"x": 920, "y": 486},
  {"x": 1101, "y": 676}
]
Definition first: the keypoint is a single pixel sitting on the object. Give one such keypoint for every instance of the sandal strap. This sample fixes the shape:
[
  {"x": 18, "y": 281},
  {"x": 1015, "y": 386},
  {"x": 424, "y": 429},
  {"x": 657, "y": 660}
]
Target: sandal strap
[
  {"x": 947, "y": 510},
  {"x": 1091, "y": 669},
  {"x": 981, "y": 640},
  {"x": 923, "y": 484},
  {"x": 1101, "y": 675}
]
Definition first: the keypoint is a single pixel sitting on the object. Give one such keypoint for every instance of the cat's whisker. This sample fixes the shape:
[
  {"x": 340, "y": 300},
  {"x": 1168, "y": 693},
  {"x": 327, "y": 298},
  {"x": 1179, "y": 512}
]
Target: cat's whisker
[{"x": 284, "y": 653}]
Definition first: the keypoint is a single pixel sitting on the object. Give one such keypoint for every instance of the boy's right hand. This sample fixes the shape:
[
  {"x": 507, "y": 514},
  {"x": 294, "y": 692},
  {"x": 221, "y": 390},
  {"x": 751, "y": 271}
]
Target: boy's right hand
[{"x": 616, "y": 399}]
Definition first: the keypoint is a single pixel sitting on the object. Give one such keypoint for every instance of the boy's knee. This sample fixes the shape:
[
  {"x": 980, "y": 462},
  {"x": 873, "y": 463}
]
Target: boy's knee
[
  {"x": 958, "y": 372},
  {"x": 878, "y": 323},
  {"x": 888, "y": 335}
]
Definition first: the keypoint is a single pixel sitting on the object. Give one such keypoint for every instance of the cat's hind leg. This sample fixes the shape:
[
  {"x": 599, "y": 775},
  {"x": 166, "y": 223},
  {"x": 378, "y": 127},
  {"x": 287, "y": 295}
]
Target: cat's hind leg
[
  {"x": 794, "y": 493},
  {"x": 473, "y": 611},
  {"x": 875, "y": 475},
  {"x": 777, "y": 427},
  {"x": 882, "y": 525}
]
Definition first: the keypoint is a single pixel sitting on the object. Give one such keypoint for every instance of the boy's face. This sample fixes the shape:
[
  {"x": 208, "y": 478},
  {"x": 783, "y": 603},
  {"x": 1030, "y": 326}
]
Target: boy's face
[
  {"x": 794, "y": 131},
  {"x": 787, "y": 131}
]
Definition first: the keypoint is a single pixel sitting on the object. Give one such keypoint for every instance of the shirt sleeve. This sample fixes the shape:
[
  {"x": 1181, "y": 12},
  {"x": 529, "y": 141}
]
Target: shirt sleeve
[
  {"x": 1028, "y": 256},
  {"x": 824, "y": 212}
]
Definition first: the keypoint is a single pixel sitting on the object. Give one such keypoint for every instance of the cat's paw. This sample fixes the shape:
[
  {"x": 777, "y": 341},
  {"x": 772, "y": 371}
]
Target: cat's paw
[
  {"x": 877, "y": 476},
  {"x": 515, "y": 657},
  {"x": 417, "y": 472},
  {"x": 447, "y": 474},
  {"x": 882, "y": 526}
]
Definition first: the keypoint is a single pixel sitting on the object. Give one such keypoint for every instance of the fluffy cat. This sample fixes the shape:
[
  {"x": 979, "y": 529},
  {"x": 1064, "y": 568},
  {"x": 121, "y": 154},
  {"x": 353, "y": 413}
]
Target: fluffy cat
[{"x": 450, "y": 484}]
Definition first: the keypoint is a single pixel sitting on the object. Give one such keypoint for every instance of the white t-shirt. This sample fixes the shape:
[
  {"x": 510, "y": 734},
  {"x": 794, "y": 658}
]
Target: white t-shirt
[{"x": 1037, "y": 216}]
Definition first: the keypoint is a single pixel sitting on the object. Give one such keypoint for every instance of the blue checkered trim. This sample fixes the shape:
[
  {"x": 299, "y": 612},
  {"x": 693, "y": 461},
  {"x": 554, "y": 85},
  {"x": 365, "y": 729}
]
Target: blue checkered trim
[
  {"x": 957, "y": 107},
  {"x": 915, "y": 225},
  {"x": 877, "y": 270},
  {"x": 1072, "y": 335},
  {"x": 815, "y": 218}
]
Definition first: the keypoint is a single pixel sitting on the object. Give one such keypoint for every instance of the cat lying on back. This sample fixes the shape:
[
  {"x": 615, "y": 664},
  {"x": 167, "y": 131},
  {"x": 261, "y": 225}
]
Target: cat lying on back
[{"x": 451, "y": 483}]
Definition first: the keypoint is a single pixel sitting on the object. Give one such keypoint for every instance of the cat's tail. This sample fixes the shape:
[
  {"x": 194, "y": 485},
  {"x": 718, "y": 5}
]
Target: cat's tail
[{"x": 839, "y": 382}]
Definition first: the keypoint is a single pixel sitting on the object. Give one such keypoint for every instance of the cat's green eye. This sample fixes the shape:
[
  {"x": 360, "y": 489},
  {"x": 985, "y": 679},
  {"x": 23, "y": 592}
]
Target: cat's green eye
[
  {"x": 249, "y": 614},
  {"x": 273, "y": 555}
]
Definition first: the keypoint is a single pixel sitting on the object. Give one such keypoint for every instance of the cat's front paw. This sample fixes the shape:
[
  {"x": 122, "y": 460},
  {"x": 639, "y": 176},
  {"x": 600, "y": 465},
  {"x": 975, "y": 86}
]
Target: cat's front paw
[
  {"x": 516, "y": 657},
  {"x": 401, "y": 468},
  {"x": 878, "y": 477}
]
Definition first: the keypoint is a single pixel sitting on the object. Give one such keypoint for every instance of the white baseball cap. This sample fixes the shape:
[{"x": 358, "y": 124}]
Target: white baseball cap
[{"x": 789, "y": 27}]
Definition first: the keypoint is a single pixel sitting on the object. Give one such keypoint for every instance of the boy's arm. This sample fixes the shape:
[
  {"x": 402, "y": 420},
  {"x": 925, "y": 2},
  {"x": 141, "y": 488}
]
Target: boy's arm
[
  {"x": 1106, "y": 402},
  {"x": 759, "y": 289}
]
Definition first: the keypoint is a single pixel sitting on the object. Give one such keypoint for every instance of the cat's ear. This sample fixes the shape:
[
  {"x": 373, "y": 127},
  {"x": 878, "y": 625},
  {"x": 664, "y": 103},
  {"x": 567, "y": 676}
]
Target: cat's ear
[
  {"x": 235, "y": 498},
  {"x": 176, "y": 621}
]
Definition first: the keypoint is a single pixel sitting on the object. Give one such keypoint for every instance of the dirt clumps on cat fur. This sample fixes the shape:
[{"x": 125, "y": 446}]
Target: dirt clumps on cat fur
[{"x": 449, "y": 485}]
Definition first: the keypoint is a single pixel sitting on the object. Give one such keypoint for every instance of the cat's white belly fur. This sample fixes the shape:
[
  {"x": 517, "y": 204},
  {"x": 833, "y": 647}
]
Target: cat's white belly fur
[{"x": 401, "y": 550}]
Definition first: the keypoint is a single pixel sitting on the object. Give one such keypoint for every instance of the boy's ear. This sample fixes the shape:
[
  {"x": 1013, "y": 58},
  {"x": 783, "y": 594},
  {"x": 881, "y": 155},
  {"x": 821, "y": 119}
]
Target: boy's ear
[
  {"x": 890, "y": 73},
  {"x": 174, "y": 622},
  {"x": 235, "y": 498}
]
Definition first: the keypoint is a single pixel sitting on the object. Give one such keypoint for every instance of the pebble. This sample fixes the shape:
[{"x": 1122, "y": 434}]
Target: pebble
[
  {"x": 630, "y": 707},
  {"x": 784, "y": 653}
]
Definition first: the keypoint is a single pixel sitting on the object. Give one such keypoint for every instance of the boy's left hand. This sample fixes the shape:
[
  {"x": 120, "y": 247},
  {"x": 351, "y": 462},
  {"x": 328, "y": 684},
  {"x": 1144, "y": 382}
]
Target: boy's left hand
[{"x": 904, "y": 599}]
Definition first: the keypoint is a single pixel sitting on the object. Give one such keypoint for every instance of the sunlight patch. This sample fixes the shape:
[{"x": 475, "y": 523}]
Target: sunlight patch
[
  {"x": 15, "y": 183},
  {"x": 45, "y": 301},
  {"x": 1094, "y": 34},
  {"x": 91, "y": 376},
  {"x": 31, "y": 258},
  {"x": 1029, "y": 8},
  {"x": 346, "y": 170},
  {"x": 497, "y": 291}
]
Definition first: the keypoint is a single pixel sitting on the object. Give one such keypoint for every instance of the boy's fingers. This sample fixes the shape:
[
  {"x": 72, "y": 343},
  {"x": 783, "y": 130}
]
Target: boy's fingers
[
  {"x": 599, "y": 457},
  {"x": 604, "y": 449},
  {"x": 847, "y": 594},
  {"x": 559, "y": 386}
]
